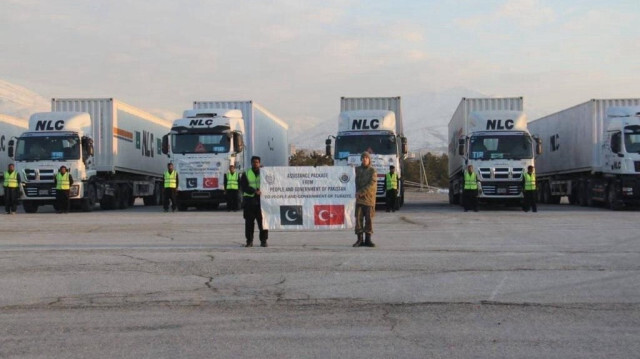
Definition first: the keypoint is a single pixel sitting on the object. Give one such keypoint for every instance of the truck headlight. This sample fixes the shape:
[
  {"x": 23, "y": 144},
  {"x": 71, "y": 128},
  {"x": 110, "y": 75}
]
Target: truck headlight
[
  {"x": 74, "y": 190},
  {"x": 627, "y": 191}
]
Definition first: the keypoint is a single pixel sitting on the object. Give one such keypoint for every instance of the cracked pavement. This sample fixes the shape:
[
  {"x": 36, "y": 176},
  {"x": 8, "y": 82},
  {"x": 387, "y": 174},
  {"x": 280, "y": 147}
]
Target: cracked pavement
[{"x": 564, "y": 282}]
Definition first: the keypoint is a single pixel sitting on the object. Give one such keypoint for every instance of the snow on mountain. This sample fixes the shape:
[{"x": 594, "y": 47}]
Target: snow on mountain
[{"x": 19, "y": 102}]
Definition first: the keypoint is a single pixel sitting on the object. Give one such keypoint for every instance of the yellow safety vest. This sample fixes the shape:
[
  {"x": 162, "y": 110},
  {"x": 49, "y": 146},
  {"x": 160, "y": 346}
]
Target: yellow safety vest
[
  {"x": 254, "y": 181},
  {"x": 11, "y": 179},
  {"x": 529, "y": 182},
  {"x": 232, "y": 180},
  {"x": 470, "y": 181},
  {"x": 170, "y": 179},
  {"x": 62, "y": 181},
  {"x": 392, "y": 181}
]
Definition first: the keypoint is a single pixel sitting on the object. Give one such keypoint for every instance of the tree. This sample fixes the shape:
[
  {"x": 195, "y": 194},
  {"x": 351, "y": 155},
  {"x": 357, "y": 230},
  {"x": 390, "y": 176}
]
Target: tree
[
  {"x": 436, "y": 168},
  {"x": 302, "y": 158}
]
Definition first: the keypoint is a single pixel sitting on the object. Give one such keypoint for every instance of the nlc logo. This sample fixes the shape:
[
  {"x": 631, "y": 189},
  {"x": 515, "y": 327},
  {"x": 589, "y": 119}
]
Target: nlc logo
[
  {"x": 200, "y": 122},
  {"x": 50, "y": 125},
  {"x": 497, "y": 125},
  {"x": 147, "y": 144},
  {"x": 365, "y": 124}
]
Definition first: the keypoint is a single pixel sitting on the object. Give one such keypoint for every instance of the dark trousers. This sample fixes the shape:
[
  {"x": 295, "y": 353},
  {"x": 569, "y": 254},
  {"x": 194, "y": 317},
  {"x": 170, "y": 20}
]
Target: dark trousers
[
  {"x": 11, "y": 196},
  {"x": 252, "y": 213},
  {"x": 364, "y": 218},
  {"x": 232, "y": 199},
  {"x": 392, "y": 200},
  {"x": 529, "y": 201},
  {"x": 470, "y": 199},
  {"x": 62, "y": 200},
  {"x": 169, "y": 194}
]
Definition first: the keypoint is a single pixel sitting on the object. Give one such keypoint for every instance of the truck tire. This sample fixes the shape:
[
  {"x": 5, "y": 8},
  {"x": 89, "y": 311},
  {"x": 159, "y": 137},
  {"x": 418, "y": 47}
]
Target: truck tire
[
  {"x": 124, "y": 197},
  {"x": 182, "y": 207},
  {"x": 613, "y": 202},
  {"x": 89, "y": 201},
  {"x": 546, "y": 193},
  {"x": 29, "y": 206},
  {"x": 110, "y": 202},
  {"x": 582, "y": 194}
]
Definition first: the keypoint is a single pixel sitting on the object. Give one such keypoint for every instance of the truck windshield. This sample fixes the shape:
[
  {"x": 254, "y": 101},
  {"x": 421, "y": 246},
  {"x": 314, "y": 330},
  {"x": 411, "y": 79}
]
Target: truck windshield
[
  {"x": 54, "y": 148},
  {"x": 200, "y": 143},
  {"x": 375, "y": 144},
  {"x": 508, "y": 147},
  {"x": 632, "y": 139}
]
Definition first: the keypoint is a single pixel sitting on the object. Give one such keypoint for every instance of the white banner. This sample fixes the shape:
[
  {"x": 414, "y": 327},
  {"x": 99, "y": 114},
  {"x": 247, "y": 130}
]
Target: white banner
[{"x": 308, "y": 198}]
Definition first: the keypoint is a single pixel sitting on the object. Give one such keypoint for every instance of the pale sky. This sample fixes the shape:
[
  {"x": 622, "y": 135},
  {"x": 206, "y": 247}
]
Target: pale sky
[{"x": 298, "y": 57}]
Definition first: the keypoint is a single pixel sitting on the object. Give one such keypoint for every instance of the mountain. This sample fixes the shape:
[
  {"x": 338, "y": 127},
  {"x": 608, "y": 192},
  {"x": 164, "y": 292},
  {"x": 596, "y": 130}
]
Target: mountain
[{"x": 19, "y": 102}]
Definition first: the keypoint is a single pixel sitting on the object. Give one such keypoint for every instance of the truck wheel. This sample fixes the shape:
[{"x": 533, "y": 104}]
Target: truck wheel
[
  {"x": 582, "y": 194},
  {"x": 124, "y": 197},
  {"x": 612, "y": 197},
  {"x": 110, "y": 202},
  {"x": 182, "y": 207},
  {"x": 89, "y": 201},
  {"x": 546, "y": 193},
  {"x": 29, "y": 206}
]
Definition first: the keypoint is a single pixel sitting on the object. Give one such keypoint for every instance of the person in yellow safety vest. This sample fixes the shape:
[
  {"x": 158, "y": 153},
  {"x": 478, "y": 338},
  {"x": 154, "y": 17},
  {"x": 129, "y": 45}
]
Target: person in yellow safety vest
[
  {"x": 470, "y": 190},
  {"x": 231, "y": 183},
  {"x": 11, "y": 189},
  {"x": 250, "y": 183},
  {"x": 63, "y": 182},
  {"x": 529, "y": 186},
  {"x": 171, "y": 182},
  {"x": 391, "y": 187}
]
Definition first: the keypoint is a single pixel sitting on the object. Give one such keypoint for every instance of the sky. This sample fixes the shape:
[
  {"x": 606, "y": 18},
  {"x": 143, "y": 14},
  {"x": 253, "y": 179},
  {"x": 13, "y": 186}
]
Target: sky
[{"x": 297, "y": 58}]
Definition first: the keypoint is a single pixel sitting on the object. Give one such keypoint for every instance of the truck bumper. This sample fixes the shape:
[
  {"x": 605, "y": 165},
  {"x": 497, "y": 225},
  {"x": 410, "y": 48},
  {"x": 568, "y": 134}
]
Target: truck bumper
[
  {"x": 47, "y": 191},
  {"x": 201, "y": 197}
]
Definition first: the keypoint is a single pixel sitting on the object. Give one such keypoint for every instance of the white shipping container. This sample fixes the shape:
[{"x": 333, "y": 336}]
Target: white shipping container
[
  {"x": 266, "y": 135},
  {"x": 573, "y": 138},
  {"x": 9, "y": 127},
  {"x": 392, "y": 104},
  {"x": 126, "y": 139}
]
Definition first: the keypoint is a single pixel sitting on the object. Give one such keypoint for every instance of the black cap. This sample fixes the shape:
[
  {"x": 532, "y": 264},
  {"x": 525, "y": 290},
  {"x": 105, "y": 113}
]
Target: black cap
[{"x": 255, "y": 158}]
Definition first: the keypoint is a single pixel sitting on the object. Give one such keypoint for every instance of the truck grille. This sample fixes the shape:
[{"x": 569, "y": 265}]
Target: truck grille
[
  {"x": 380, "y": 191},
  {"x": 501, "y": 189},
  {"x": 40, "y": 190},
  {"x": 39, "y": 175},
  {"x": 500, "y": 173}
]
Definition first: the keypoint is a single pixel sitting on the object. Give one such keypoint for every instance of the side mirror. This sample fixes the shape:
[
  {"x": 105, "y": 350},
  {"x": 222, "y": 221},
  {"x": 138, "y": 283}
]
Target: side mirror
[
  {"x": 405, "y": 146},
  {"x": 327, "y": 149},
  {"x": 538, "y": 146},
  {"x": 165, "y": 144},
  {"x": 12, "y": 144},
  {"x": 238, "y": 142},
  {"x": 461, "y": 143},
  {"x": 87, "y": 146}
]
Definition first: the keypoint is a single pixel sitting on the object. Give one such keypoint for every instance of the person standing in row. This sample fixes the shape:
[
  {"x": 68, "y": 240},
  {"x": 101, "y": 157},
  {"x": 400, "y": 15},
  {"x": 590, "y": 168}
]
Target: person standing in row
[
  {"x": 171, "y": 181},
  {"x": 470, "y": 191},
  {"x": 250, "y": 183},
  {"x": 64, "y": 180},
  {"x": 11, "y": 189},
  {"x": 231, "y": 182},
  {"x": 366, "y": 186},
  {"x": 529, "y": 186},
  {"x": 391, "y": 185}
]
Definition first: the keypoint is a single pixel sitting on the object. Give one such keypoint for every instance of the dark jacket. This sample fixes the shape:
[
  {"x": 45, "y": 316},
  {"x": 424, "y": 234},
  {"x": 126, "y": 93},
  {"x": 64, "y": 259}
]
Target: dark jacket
[{"x": 366, "y": 184}]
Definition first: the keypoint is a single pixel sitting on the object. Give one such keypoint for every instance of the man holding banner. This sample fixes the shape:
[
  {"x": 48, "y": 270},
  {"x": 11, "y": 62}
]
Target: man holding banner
[
  {"x": 366, "y": 185},
  {"x": 250, "y": 183}
]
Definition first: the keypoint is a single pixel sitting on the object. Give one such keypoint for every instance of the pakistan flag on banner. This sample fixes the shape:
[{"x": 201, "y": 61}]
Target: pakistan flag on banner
[{"x": 308, "y": 198}]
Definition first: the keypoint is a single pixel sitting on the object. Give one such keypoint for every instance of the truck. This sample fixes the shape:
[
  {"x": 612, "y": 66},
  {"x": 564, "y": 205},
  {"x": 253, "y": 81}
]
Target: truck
[
  {"x": 214, "y": 135},
  {"x": 491, "y": 134},
  {"x": 10, "y": 127},
  {"x": 592, "y": 154},
  {"x": 372, "y": 124},
  {"x": 111, "y": 149}
]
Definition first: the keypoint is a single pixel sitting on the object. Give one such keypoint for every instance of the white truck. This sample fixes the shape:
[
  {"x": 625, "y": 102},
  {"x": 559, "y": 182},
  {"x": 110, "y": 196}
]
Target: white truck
[
  {"x": 490, "y": 134},
  {"x": 10, "y": 127},
  {"x": 593, "y": 154},
  {"x": 111, "y": 149},
  {"x": 372, "y": 124},
  {"x": 216, "y": 134}
]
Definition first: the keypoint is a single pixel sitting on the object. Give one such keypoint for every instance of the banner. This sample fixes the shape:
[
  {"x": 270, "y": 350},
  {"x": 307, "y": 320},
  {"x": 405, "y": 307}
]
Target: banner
[{"x": 308, "y": 198}]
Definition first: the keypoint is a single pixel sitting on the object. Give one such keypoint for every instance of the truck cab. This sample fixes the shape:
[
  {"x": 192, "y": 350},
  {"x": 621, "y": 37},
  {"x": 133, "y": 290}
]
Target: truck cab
[
  {"x": 54, "y": 139},
  {"x": 621, "y": 150},
  {"x": 373, "y": 131},
  {"x": 201, "y": 146},
  {"x": 500, "y": 148}
]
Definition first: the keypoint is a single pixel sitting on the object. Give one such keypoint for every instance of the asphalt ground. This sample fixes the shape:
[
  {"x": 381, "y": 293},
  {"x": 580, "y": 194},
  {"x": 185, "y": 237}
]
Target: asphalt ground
[{"x": 500, "y": 283}]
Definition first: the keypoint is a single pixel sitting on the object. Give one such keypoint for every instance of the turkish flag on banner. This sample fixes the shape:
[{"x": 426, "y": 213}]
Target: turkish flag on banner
[
  {"x": 210, "y": 182},
  {"x": 328, "y": 214}
]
